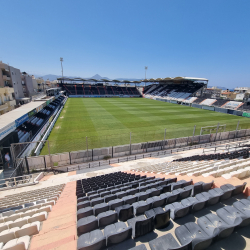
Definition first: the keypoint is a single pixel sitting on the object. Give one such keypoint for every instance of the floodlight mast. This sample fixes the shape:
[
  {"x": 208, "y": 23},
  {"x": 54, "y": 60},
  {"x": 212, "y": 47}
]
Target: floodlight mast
[
  {"x": 146, "y": 68},
  {"x": 61, "y": 60}
]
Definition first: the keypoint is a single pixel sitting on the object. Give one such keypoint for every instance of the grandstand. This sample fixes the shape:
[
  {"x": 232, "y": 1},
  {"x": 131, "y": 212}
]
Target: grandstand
[
  {"x": 96, "y": 88},
  {"x": 183, "y": 200},
  {"x": 178, "y": 89},
  {"x": 220, "y": 102},
  {"x": 149, "y": 204},
  {"x": 232, "y": 105},
  {"x": 30, "y": 127},
  {"x": 208, "y": 102}
]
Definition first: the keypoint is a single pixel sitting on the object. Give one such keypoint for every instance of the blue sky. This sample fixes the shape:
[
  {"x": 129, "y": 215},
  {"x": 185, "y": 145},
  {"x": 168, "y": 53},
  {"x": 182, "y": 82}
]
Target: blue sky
[{"x": 117, "y": 39}]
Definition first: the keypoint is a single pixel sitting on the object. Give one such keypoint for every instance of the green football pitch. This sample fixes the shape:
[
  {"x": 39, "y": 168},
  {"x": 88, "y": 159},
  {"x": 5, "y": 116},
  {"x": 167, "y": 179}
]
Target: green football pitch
[{"x": 103, "y": 122}]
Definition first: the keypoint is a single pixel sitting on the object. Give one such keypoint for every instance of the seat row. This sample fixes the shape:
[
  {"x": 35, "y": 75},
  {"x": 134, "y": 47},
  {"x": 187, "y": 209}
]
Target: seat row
[
  {"x": 190, "y": 235},
  {"x": 208, "y": 229},
  {"x": 228, "y": 155},
  {"x": 87, "y": 221},
  {"x": 121, "y": 188},
  {"x": 205, "y": 168},
  {"x": 8, "y": 203},
  {"x": 130, "y": 206},
  {"x": 132, "y": 194},
  {"x": 20, "y": 223},
  {"x": 21, "y": 207},
  {"x": 104, "y": 181},
  {"x": 36, "y": 191}
]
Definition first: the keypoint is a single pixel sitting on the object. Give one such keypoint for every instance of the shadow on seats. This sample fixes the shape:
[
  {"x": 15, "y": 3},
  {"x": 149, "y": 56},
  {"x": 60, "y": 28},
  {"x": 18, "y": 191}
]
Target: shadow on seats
[
  {"x": 127, "y": 244},
  {"x": 202, "y": 212},
  {"x": 166, "y": 229},
  {"x": 216, "y": 207},
  {"x": 147, "y": 237},
  {"x": 235, "y": 241},
  {"x": 185, "y": 219},
  {"x": 229, "y": 202}
]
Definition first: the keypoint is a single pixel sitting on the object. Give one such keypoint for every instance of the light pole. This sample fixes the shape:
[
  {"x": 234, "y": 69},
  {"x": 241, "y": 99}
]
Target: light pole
[
  {"x": 61, "y": 60},
  {"x": 146, "y": 68}
]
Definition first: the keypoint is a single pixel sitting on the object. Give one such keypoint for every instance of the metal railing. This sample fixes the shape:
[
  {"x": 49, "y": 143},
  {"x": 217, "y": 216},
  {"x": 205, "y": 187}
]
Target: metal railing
[
  {"x": 95, "y": 164},
  {"x": 228, "y": 147},
  {"x": 14, "y": 182}
]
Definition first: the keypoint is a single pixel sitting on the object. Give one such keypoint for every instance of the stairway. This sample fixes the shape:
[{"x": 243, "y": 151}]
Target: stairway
[{"x": 8, "y": 172}]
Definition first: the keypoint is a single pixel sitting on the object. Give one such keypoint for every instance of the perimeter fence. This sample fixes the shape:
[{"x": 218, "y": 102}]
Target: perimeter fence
[
  {"x": 114, "y": 154},
  {"x": 124, "y": 138}
]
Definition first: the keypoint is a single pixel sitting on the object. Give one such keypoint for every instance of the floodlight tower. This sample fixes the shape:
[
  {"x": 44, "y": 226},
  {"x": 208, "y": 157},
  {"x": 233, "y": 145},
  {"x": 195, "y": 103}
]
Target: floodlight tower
[
  {"x": 61, "y": 60},
  {"x": 146, "y": 68}
]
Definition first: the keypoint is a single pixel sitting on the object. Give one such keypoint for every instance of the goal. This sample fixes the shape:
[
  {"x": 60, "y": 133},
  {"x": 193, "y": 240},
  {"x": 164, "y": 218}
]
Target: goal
[{"x": 213, "y": 129}]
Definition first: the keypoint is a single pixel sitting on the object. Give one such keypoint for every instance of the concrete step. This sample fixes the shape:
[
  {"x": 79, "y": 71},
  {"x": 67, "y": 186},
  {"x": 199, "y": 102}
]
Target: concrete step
[{"x": 7, "y": 172}]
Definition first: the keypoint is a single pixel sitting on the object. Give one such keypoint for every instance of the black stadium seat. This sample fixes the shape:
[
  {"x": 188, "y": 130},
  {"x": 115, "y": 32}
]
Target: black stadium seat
[
  {"x": 125, "y": 212},
  {"x": 87, "y": 224},
  {"x": 177, "y": 210},
  {"x": 107, "y": 218},
  {"x": 161, "y": 217},
  {"x": 116, "y": 233},
  {"x": 210, "y": 222},
  {"x": 93, "y": 240},
  {"x": 141, "y": 225},
  {"x": 168, "y": 242},
  {"x": 192, "y": 232}
]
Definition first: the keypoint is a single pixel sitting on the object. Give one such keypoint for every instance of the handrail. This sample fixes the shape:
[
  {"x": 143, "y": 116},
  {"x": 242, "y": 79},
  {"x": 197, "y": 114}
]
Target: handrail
[
  {"x": 13, "y": 182},
  {"x": 139, "y": 156},
  {"x": 20, "y": 162}
]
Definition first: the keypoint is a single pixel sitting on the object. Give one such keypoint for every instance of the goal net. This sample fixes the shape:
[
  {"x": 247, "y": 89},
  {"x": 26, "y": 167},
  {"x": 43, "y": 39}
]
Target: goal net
[{"x": 213, "y": 129}]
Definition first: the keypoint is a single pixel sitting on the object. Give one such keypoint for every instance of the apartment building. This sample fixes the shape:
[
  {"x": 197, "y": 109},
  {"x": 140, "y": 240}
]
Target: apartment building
[
  {"x": 35, "y": 84},
  {"x": 11, "y": 77},
  {"x": 27, "y": 84},
  {"x": 16, "y": 82},
  {"x": 228, "y": 95},
  {"x": 7, "y": 101}
]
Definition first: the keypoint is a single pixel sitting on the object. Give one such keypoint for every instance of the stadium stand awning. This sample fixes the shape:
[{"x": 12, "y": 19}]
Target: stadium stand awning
[
  {"x": 176, "y": 79},
  {"x": 160, "y": 80}
]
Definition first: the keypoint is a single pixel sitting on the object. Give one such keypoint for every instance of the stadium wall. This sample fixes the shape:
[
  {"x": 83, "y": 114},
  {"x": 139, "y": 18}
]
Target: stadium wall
[
  {"x": 207, "y": 107},
  {"x": 194, "y": 105},
  {"x": 221, "y": 110},
  {"x": 76, "y": 157},
  {"x": 211, "y": 108},
  {"x": 103, "y": 96},
  {"x": 245, "y": 114}
]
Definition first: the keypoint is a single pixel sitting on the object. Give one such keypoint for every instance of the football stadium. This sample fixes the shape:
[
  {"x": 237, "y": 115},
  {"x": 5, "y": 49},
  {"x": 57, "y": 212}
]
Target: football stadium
[
  {"x": 147, "y": 165},
  {"x": 109, "y": 121},
  {"x": 125, "y": 125}
]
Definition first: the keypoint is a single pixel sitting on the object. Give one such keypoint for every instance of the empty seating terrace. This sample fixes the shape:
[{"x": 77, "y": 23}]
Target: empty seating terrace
[
  {"x": 22, "y": 215},
  {"x": 179, "y": 204},
  {"x": 100, "y": 90},
  {"x": 123, "y": 207},
  {"x": 171, "y": 91}
]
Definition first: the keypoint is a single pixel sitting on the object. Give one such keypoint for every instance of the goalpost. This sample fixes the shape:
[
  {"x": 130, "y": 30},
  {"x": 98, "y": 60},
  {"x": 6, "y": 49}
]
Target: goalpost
[{"x": 216, "y": 128}]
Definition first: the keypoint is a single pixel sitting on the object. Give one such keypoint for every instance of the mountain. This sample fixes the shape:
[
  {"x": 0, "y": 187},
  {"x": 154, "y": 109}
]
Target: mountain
[
  {"x": 128, "y": 79},
  {"x": 218, "y": 87},
  {"x": 96, "y": 76}
]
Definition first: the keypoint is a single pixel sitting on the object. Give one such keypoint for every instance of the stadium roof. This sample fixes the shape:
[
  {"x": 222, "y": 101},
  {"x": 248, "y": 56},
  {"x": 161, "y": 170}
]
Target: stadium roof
[
  {"x": 167, "y": 79},
  {"x": 17, "y": 113},
  {"x": 176, "y": 79}
]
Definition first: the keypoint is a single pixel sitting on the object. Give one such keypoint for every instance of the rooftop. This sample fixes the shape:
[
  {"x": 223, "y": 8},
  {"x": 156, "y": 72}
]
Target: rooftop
[{"x": 17, "y": 113}]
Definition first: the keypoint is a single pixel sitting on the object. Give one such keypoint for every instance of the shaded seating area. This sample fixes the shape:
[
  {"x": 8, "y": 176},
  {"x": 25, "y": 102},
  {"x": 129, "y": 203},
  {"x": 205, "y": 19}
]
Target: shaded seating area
[{"x": 126, "y": 219}]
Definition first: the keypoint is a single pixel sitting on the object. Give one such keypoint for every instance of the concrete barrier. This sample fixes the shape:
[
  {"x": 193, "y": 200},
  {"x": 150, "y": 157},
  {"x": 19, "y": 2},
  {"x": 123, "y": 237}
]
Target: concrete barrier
[
  {"x": 36, "y": 162},
  {"x": 76, "y": 157}
]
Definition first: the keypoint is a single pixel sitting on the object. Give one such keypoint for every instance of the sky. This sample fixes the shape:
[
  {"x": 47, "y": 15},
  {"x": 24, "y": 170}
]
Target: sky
[{"x": 117, "y": 39}]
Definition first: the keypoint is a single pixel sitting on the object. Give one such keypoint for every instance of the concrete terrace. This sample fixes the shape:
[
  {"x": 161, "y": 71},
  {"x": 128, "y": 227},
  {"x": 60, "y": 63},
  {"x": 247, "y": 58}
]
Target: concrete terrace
[{"x": 59, "y": 230}]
